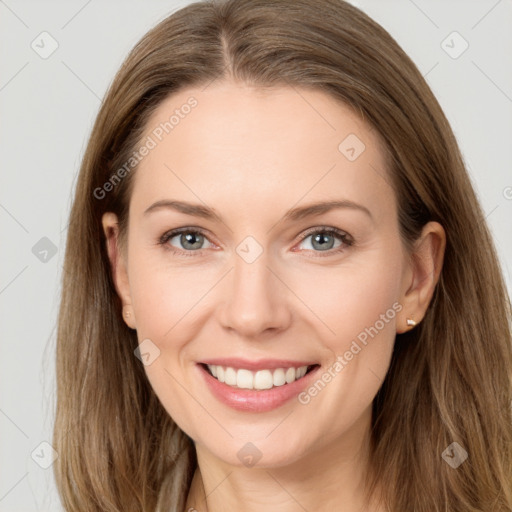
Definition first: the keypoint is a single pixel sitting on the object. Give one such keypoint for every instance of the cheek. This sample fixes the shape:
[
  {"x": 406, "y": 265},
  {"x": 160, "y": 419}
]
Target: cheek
[
  {"x": 359, "y": 308},
  {"x": 350, "y": 301},
  {"x": 166, "y": 300},
  {"x": 164, "y": 295}
]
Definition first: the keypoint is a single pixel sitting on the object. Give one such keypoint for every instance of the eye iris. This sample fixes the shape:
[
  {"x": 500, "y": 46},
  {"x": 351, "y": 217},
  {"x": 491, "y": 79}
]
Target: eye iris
[
  {"x": 191, "y": 239},
  {"x": 321, "y": 239}
]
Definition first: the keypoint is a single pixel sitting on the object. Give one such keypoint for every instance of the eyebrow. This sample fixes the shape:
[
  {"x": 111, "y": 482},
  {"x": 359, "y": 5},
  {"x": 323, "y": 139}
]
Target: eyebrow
[{"x": 294, "y": 214}]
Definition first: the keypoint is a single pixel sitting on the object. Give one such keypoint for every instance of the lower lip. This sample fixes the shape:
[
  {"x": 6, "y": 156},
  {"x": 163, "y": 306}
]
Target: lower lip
[{"x": 251, "y": 400}]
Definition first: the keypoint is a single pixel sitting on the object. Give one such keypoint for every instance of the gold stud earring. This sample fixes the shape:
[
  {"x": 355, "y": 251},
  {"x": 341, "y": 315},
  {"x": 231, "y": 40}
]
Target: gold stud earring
[{"x": 411, "y": 322}]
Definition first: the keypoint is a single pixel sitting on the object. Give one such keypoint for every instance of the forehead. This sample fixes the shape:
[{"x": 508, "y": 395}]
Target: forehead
[{"x": 244, "y": 147}]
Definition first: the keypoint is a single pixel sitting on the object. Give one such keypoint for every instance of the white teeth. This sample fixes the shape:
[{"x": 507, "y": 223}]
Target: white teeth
[
  {"x": 279, "y": 378},
  {"x": 262, "y": 379},
  {"x": 290, "y": 375},
  {"x": 300, "y": 372},
  {"x": 230, "y": 376},
  {"x": 244, "y": 379}
]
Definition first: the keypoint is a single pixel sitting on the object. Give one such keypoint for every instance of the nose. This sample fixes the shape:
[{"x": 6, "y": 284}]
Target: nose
[{"x": 257, "y": 300}]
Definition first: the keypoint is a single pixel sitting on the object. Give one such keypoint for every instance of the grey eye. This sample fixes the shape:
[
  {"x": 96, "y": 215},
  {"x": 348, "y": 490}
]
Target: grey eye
[
  {"x": 189, "y": 240},
  {"x": 322, "y": 241}
]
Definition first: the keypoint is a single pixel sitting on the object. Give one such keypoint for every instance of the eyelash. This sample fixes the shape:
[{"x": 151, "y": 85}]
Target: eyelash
[{"x": 346, "y": 239}]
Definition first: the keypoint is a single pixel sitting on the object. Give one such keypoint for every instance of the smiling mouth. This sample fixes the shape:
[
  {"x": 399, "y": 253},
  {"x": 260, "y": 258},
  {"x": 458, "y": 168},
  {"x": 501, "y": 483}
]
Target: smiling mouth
[{"x": 242, "y": 378}]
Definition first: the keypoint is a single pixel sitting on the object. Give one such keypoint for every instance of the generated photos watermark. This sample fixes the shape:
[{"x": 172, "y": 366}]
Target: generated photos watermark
[
  {"x": 343, "y": 360},
  {"x": 150, "y": 143}
]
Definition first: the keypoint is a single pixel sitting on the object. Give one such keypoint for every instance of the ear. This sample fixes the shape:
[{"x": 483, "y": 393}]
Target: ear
[
  {"x": 422, "y": 275},
  {"x": 118, "y": 265}
]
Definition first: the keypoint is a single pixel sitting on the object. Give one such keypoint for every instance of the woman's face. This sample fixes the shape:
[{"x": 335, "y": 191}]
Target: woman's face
[{"x": 258, "y": 282}]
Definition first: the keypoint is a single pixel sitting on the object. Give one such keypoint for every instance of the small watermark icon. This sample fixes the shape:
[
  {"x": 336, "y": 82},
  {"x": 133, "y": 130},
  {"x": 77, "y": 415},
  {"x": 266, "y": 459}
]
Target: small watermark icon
[
  {"x": 454, "y": 455},
  {"x": 351, "y": 147},
  {"x": 249, "y": 249},
  {"x": 44, "y": 45},
  {"x": 44, "y": 250},
  {"x": 44, "y": 455},
  {"x": 249, "y": 455},
  {"x": 507, "y": 193},
  {"x": 147, "y": 352},
  {"x": 454, "y": 45}
]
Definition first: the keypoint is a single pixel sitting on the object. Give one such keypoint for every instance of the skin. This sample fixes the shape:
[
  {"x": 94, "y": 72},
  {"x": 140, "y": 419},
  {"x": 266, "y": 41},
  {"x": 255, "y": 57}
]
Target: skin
[{"x": 252, "y": 155}]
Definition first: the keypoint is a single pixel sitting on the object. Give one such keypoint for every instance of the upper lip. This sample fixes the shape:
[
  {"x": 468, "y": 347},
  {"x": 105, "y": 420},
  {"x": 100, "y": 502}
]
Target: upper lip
[{"x": 260, "y": 364}]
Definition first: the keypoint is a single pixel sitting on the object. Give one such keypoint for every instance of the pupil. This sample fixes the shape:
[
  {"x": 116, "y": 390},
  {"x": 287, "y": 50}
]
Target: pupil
[
  {"x": 191, "y": 239},
  {"x": 321, "y": 239}
]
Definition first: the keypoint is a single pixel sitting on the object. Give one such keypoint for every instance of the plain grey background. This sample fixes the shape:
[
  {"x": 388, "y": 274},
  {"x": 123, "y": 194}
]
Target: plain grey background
[{"x": 48, "y": 103}]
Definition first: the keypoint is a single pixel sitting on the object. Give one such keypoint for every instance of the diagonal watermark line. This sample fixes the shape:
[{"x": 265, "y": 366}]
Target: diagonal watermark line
[
  {"x": 486, "y": 14},
  {"x": 81, "y": 80},
  {"x": 205, "y": 496},
  {"x": 382, "y": 176},
  {"x": 76, "y": 14},
  {"x": 3, "y": 3},
  {"x": 14, "y": 218},
  {"x": 216, "y": 487},
  {"x": 380, "y": 380},
  {"x": 284, "y": 489},
  {"x": 293, "y": 87},
  {"x": 14, "y": 76},
  {"x": 78, "y": 422},
  {"x": 431, "y": 69},
  {"x": 301, "y": 300},
  {"x": 279, "y": 423},
  {"x": 198, "y": 301},
  {"x": 13, "y": 423},
  {"x": 492, "y": 211},
  {"x": 492, "y": 81},
  {"x": 198, "y": 402},
  {"x": 424, "y": 13},
  {"x": 228, "y": 228},
  {"x": 65, "y": 227},
  {"x": 306, "y": 193},
  {"x": 13, "y": 279},
  {"x": 14, "y": 486},
  {"x": 216, "y": 78}
]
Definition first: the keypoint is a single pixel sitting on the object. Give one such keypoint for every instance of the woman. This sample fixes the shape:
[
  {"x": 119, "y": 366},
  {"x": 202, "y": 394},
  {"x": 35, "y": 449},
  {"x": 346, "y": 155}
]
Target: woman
[{"x": 280, "y": 290}]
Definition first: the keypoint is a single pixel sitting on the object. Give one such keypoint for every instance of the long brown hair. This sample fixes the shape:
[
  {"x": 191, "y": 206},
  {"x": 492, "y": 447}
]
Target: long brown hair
[{"x": 450, "y": 378}]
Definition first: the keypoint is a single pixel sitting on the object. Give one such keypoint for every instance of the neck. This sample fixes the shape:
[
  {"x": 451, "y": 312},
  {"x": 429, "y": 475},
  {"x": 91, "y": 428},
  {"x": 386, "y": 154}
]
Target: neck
[{"x": 330, "y": 477}]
